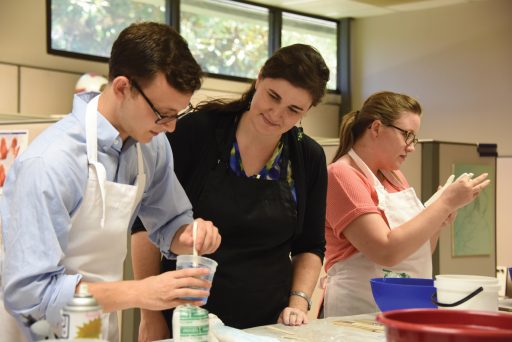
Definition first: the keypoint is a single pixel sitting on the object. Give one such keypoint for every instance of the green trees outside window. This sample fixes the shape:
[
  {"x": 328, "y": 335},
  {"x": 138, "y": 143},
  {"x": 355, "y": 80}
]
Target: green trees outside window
[
  {"x": 321, "y": 34},
  {"x": 90, "y": 27},
  {"x": 225, "y": 37}
]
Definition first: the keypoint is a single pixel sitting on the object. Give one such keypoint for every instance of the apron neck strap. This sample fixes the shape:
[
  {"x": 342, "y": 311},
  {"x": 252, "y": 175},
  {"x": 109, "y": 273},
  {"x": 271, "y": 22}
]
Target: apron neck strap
[
  {"x": 225, "y": 136},
  {"x": 140, "y": 161},
  {"x": 225, "y": 143},
  {"x": 91, "y": 137},
  {"x": 393, "y": 179},
  {"x": 284, "y": 158},
  {"x": 91, "y": 133},
  {"x": 91, "y": 129},
  {"x": 366, "y": 170}
]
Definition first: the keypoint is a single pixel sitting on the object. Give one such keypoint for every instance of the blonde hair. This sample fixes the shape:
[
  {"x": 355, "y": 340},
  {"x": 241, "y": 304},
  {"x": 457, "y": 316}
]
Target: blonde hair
[{"x": 385, "y": 106}]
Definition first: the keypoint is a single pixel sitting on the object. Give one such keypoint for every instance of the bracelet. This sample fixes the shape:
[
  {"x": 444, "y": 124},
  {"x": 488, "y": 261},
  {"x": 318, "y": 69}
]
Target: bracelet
[{"x": 303, "y": 295}]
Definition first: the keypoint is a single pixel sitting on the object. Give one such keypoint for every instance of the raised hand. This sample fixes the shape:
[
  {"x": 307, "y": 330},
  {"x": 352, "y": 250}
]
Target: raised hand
[
  {"x": 207, "y": 239},
  {"x": 464, "y": 190}
]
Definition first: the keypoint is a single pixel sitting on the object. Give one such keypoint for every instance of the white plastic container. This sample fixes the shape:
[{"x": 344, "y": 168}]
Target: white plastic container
[
  {"x": 454, "y": 288},
  {"x": 190, "y": 324}
]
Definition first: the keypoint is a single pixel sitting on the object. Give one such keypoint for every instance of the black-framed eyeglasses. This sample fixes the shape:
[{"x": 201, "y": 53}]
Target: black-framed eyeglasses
[
  {"x": 163, "y": 119},
  {"x": 410, "y": 137}
]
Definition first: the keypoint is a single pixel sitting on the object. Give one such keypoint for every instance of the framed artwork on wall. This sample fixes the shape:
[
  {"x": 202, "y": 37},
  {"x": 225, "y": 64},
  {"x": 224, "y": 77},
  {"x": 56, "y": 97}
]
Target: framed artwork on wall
[
  {"x": 12, "y": 144},
  {"x": 473, "y": 229}
]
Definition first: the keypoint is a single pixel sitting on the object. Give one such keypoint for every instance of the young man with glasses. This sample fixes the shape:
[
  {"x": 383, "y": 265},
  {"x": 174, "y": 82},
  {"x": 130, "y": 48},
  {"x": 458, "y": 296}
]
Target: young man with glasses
[
  {"x": 71, "y": 196},
  {"x": 375, "y": 224}
]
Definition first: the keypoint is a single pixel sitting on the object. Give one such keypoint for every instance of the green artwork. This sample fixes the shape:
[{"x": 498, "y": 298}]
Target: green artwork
[{"x": 473, "y": 229}]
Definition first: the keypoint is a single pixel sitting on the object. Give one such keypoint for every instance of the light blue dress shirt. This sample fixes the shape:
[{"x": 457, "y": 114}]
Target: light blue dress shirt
[{"x": 45, "y": 187}]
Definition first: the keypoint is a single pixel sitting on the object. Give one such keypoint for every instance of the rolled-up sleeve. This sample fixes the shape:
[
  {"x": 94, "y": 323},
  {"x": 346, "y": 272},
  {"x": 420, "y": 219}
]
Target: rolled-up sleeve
[{"x": 165, "y": 206}]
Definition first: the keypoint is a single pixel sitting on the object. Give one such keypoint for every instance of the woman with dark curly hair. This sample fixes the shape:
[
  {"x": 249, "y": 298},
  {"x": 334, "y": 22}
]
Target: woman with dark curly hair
[{"x": 246, "y": 167}]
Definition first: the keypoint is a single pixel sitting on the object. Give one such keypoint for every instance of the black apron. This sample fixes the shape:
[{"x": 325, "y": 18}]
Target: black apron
[{"x": 257, "y": 220}]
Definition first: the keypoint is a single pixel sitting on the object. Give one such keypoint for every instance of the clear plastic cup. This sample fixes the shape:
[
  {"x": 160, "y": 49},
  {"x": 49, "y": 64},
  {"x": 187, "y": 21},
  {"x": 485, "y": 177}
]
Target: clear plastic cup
[{"x": 197, "y": 261}]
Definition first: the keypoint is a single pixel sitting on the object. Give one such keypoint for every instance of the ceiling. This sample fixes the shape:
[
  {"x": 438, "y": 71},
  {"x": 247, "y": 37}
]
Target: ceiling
[{"x": 357, "y": 8}]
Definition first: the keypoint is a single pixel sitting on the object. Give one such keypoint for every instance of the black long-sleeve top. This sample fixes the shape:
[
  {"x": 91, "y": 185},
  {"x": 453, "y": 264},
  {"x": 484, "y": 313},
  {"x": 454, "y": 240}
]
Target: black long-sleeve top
[
  {"x": 197, "y": 145},
  {"x": 200, "y": 138}
]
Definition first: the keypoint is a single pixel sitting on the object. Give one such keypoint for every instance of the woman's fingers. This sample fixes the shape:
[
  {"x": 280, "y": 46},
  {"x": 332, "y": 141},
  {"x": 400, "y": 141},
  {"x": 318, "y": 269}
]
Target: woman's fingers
[
  {"x": 480, "y": 187},
  {"x": 479, "y": 183},
  {"x": 293, "y": 316},
  {"x": 479, "y": 179}
]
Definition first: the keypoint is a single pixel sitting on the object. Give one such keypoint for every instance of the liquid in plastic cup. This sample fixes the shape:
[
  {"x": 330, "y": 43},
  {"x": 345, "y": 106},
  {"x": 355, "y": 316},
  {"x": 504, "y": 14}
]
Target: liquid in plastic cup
[{"x": 193, "y": 261}]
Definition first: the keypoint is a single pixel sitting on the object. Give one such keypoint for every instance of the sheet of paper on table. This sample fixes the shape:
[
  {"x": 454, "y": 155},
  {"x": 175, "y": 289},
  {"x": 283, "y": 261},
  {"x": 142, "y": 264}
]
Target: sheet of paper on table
[{"x": 359, "y": 328}]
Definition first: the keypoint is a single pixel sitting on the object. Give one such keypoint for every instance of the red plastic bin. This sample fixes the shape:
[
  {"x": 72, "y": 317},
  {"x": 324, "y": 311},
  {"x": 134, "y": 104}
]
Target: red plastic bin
[{"x": 432, "y": 325}]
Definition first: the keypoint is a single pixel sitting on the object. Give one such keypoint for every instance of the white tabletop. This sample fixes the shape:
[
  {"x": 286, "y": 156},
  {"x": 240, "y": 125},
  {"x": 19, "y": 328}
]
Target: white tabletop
[
  {"x": 359, "y": 328},
  {"x": 362, "y": 328}
]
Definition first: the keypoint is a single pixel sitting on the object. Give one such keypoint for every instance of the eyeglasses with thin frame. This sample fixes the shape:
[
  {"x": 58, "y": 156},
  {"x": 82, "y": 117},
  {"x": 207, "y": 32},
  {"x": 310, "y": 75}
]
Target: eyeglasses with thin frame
[
  {"x": 163, "y": 119},
  {"x": 410, "y": 137}
]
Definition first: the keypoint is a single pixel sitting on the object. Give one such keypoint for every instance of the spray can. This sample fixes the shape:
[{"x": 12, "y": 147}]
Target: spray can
[
  {"x": 190, "y": 324},
  {"x": 81, "y": 317}
]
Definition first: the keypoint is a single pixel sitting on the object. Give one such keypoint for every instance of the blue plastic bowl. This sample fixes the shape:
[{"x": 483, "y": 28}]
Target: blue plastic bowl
[{"x": 403, "y": 293}]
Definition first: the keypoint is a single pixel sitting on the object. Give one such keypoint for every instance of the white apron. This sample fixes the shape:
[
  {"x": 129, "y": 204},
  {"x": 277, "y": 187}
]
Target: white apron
[
  {"x": 348, "y": 289},
  {"x": 97, "y": 242}
]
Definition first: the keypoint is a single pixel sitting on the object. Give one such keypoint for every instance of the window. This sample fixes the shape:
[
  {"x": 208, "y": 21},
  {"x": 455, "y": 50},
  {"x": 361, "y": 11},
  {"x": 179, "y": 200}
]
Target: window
[
  {"x": 321, "y": 34},
  {"x": 226, "y": 37},
  {"x": 87, "y": 28}
]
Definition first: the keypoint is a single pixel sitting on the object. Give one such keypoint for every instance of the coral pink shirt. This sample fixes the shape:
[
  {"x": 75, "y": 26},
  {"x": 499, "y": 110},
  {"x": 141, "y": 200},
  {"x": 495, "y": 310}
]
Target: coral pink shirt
[{"x": 349, "y": 195}]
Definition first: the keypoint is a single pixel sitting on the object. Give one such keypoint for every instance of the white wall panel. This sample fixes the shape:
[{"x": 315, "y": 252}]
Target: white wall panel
[
  {"x": 46, "y": 92},
  {"x": 8, "y": 88}
]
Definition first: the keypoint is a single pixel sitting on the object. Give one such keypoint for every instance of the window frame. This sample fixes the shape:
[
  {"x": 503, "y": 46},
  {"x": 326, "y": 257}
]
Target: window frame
[
  {"x": 270, "y": 49},
  {"x": 78, "y": 55},
  {"x": 64, "y": 53},
  {"x": 274, "y": 39},
  {"x": 338, "y": 42}
]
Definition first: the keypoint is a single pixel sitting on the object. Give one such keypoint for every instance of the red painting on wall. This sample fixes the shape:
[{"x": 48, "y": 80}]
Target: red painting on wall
[{"x": 12, "y": 144}]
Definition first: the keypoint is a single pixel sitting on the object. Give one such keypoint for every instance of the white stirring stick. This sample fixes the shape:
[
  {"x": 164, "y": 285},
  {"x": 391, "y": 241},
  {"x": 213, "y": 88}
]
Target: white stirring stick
[{"x": 194, "y": 235}]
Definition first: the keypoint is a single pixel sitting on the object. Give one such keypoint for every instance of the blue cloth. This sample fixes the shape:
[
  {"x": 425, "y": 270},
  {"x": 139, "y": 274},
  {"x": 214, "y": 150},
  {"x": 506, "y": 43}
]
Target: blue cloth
[{"x": 45, "y": 187}]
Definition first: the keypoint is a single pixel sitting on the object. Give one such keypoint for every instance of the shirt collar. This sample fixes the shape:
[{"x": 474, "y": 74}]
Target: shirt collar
[{"x": 108, "y": 135}]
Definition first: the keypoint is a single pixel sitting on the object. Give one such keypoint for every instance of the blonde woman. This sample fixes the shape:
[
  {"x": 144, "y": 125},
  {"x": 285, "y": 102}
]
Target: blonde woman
[{"x": 374, "y": 221}]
